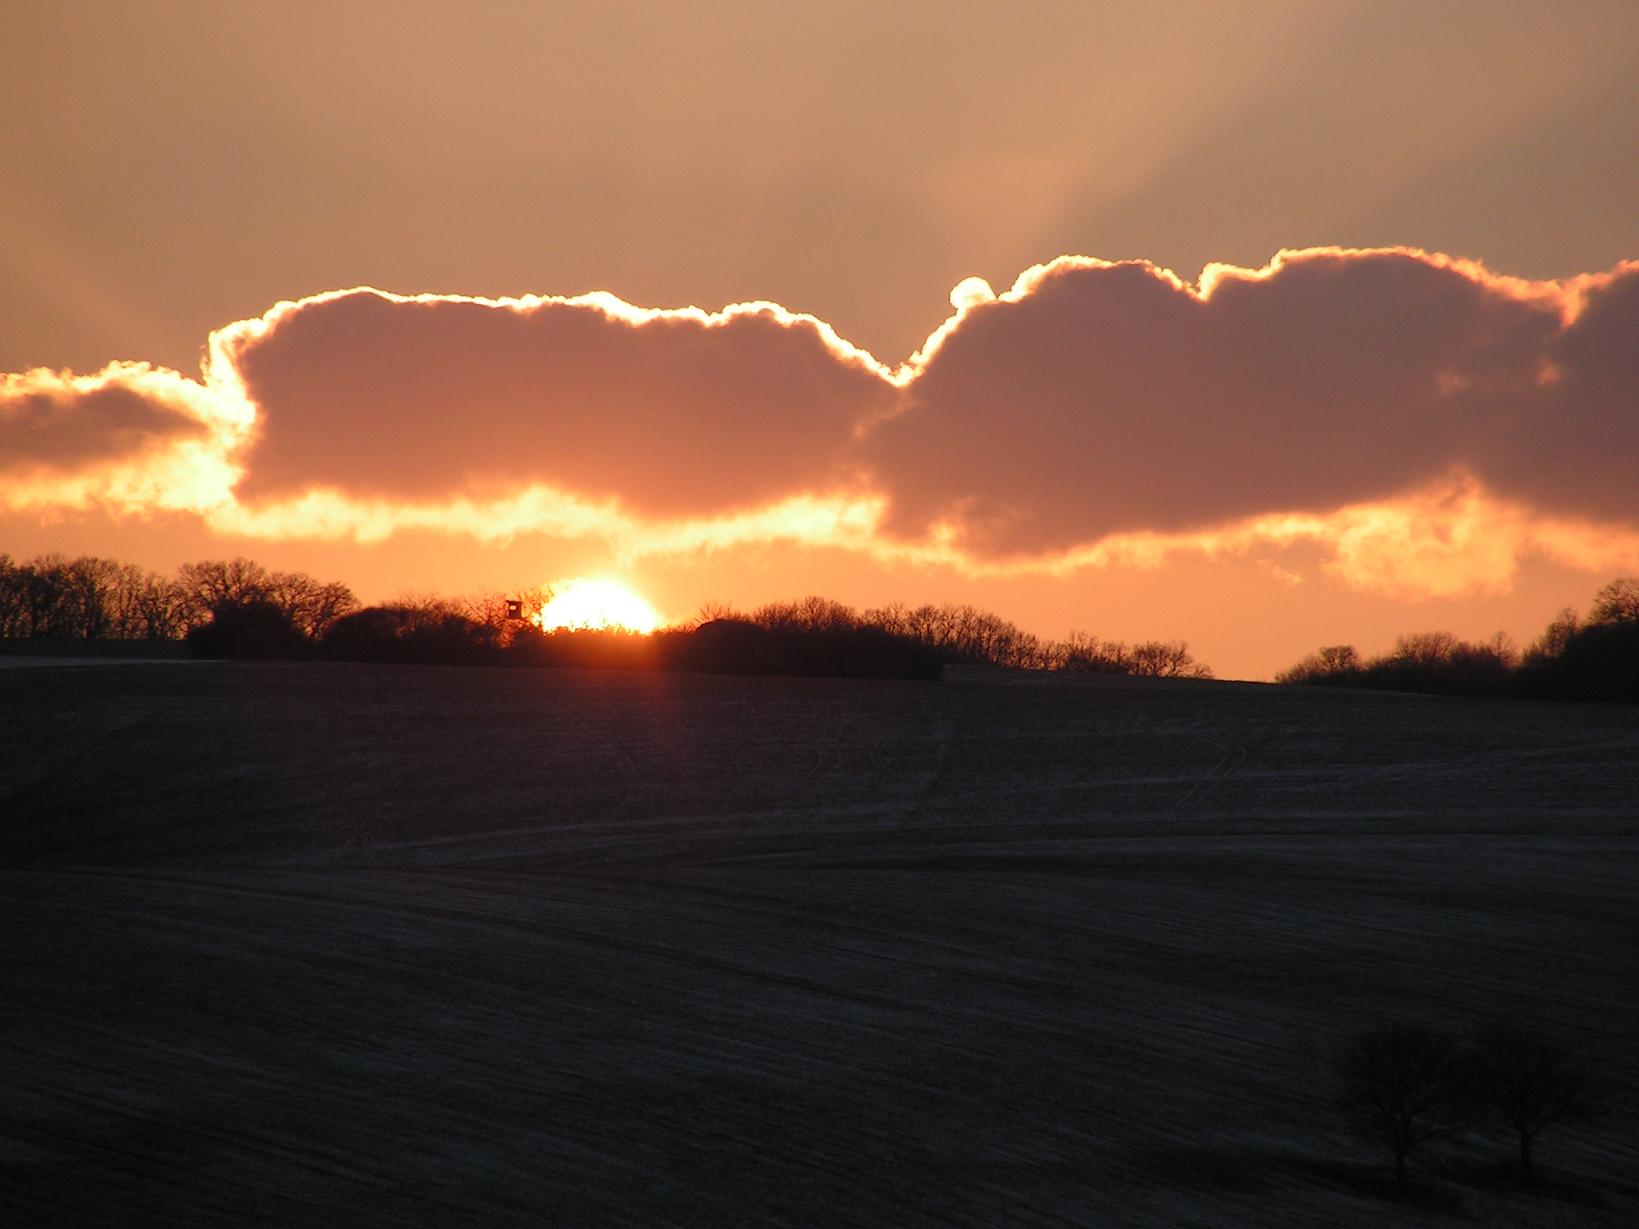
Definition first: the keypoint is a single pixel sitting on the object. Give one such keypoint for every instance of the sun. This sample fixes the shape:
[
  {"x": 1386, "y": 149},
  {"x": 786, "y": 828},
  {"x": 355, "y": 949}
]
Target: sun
[{"x": 597, "y": 605}]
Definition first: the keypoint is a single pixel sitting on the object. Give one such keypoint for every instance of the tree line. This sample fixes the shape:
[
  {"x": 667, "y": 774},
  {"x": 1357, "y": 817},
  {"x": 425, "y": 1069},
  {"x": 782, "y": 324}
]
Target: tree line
[
  {"x": 237, "y": 608},
  {"x": 1592, "y": 657},
  {"x": 87, "y": 598},
  {"x": 809, "y": 636},
  {"x": 955, "y": 635}
]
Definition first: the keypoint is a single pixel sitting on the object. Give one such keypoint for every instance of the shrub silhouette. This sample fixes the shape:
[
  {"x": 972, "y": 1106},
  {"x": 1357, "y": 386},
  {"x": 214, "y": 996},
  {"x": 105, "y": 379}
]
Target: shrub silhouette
[
  {"x": 813, "y": 638},
  {"x": 248, "y": 630},
  {"x": 432, "y": 632},
  {"x": 724, "y": 645}
]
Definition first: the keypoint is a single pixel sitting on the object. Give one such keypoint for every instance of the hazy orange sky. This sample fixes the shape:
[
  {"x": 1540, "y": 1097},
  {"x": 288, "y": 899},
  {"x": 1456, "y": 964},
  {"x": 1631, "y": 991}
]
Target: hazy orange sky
[{"x": 1273, "y": 324}]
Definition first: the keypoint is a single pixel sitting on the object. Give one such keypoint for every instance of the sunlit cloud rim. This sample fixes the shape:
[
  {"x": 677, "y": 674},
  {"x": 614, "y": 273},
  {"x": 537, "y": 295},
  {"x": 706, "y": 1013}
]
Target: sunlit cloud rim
[
  {"x": 1445, "y": 538},
  {"x": 974, "y": 294}
]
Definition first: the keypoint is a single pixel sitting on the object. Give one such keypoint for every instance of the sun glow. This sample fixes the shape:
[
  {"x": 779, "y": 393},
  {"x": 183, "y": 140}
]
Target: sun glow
[{"x": 597, "y": 605}]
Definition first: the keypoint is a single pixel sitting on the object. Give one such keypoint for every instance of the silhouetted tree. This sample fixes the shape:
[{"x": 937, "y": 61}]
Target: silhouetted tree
[
  {"x": 1424, "y": 648},
  {"x": 962, "y": 634},
  {"x": 89, "y": 586},
  {"x": 213, "y": 584},
  {"x": 1081, "y": 653},
  {"x": 1597, "y": 661},
  {"x": 1401, "y": 1085},
  {"x": 48, "y": 609},
  {"x": 1331, "y": 665},
  {"x": 1554, "y": 638},
  {"x": 1528, "y": 1084},
  {"x": 806, "y": 614},
  {"x": 1338, "y": 658},
  {"x": 161, "y": 607},
  {"x": 711, "y": 610},
  {"x": 11, "y": 597},
  {"x": 1167, "y": 659},
  {"x": 311, "y": 605},
  {"x": 84, "y": 599},
  {"x": 1617, "y": 602}
]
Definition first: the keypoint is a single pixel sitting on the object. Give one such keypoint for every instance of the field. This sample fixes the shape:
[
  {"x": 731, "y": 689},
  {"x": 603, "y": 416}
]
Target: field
[{"x": 347, "y": 945}]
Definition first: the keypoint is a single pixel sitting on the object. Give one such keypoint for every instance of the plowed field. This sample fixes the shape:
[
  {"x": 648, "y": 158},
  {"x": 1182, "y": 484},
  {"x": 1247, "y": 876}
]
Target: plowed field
[{"x": 346, "y": 945}]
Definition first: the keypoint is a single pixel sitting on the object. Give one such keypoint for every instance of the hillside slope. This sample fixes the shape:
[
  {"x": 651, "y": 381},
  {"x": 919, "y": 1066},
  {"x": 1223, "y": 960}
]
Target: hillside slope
[{"x": 352, "y": 945}]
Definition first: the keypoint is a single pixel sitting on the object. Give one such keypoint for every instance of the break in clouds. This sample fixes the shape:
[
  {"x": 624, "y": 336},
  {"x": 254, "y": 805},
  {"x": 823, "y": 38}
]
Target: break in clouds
[{"x": 1091, "y": 401}]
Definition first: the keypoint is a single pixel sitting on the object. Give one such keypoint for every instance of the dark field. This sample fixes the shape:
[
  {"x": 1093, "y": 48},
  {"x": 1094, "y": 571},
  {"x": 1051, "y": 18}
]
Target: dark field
[{"x": 345, "y": 945}]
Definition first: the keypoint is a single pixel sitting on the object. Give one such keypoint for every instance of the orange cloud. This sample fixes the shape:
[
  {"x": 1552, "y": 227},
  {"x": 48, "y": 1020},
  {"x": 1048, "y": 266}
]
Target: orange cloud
[
  {"x": 1096, "y": 399},
  {"x": 437, "y": 397},
  {"x": 1426, "y": 422},
  {"x": 132, "y": 438}
]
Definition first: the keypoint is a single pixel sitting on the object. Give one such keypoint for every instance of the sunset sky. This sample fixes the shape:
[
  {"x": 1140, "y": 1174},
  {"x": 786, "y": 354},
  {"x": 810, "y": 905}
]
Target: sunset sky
[{"x": 1259, "y": 325}]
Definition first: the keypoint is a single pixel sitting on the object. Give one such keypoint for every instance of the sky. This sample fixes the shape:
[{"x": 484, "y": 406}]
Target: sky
[{"x": 1262, "y": 326}]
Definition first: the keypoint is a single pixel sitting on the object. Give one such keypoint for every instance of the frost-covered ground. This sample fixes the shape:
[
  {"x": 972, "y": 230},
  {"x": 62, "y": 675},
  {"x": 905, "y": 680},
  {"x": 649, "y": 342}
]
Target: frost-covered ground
[{"x": 345, "y": 945}]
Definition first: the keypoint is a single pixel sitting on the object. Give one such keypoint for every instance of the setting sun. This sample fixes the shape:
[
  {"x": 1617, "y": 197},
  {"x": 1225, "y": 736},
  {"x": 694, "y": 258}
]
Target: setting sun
[{"x": 597, "y": 605}]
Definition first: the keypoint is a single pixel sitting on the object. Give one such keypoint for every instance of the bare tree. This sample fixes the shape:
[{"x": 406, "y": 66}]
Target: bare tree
[
  {"x": 1167, "y": 659},
  {"x": 1529, "y": 1084},
  {"x": 215, "y": 583},
  {"x": 1084, "y": 653},
  {"x": 894, "y": 617},
  {"x": 1617, "y": 602},
  {"x": 1401, "y": 1085},
  {"x": 810, "y": 614},
  {"x": 1330, "y": 664},
  {"x": 489, "y": 608},
  {"x": 1425, "y": 648},
  {"x": 13, "y": 598},
  {"x": 1555, "y": 637},
  {"x": 90, "y": 586},
  {"x": 211, "y": 586},
  {"x": 1338, "y": 658},
  {"x": 712, "y": 610},
  {"x": 963, "y": 633},
  {"x": 1504, "y": 650},
  {"x": 162, "y": 608},
  {"x": 123, "y": 602},
  {"x": 48, "y": 605},
  {"x": 311, "y": 605},
  {"x": 85, "y": 598}
]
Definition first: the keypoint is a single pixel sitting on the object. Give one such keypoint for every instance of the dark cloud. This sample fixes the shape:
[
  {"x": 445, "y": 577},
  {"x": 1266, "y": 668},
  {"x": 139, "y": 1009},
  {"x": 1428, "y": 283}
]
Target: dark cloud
[
  {"x": 1103, "y": 398},
  {"x": 1576, "y": 445},
  {"x": 63, "y": 424},
  {"x": 671, "y": 413}
]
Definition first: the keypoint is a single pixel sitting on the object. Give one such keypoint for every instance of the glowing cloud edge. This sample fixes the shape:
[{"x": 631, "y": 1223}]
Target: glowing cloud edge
[{"x": 1424, "y": 541}]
